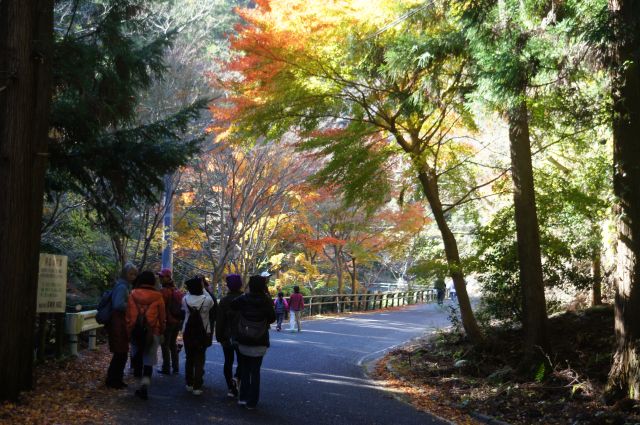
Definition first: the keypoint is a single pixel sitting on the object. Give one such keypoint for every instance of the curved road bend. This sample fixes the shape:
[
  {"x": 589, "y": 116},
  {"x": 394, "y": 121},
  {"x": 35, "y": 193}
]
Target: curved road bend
[{"x": 312, "y": 377}]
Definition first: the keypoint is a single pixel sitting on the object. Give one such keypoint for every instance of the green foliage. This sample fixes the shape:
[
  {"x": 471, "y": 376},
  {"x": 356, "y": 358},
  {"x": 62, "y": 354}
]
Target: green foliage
[
  {"x": 106, "y": 54},
  {"x": 497, "y": 268},
  {"x": 353, "y": 164},
  {"x": 569, "y": 232},
  {"x": 91, "y": 264},
  {"x": 288, "y": 290},
  {"x": 541, "y": 372}
]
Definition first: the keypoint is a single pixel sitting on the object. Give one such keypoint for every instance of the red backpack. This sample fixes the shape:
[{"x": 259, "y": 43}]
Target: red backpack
[{"x": 175, "y": 305}]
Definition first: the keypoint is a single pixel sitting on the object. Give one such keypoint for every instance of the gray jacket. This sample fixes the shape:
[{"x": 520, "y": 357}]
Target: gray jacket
[{"x": 120, "y": 295}]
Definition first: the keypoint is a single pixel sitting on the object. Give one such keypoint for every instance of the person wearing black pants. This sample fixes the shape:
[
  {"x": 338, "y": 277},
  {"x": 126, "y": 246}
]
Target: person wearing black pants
[
  {"x": 255, "y": 314},
  {"x": 231, "y": 353},
  {"x": 226, "y": 318},
  {"x": 115, "y": 373},
  {"x": 194, "y": 367},
  {"x": 196, "y": 334},
  {"x": 250, "y": 379}
]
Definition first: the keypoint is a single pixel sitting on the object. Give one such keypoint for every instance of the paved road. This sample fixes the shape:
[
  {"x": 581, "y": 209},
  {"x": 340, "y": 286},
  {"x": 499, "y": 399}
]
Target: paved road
[{"x": 312, "y": 377}]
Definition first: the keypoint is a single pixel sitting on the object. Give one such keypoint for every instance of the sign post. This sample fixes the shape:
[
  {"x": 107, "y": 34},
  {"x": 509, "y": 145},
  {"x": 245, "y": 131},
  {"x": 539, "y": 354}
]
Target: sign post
[{"x": 52, "y": 284}]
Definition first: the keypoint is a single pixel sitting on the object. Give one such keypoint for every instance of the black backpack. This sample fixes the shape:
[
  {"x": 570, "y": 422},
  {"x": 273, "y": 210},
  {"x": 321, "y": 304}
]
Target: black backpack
[
  {"x": 142, "y": 334},
  {"x": 195, "y": 334},
  {"x": 105, "y": 308},
  {"x": 250, "y": 332}
]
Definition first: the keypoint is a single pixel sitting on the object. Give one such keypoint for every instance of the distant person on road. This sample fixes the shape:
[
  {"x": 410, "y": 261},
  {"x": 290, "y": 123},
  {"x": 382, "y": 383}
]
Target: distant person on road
[
  {"x": 452, "y": 291},
  {"x": 146, "y": 321},
  {"x": 197, "y": 332},
  {"x": 173, "y": 304},
  {"x": 117, "y": 326},
  {"x": 226, "y": 318},
  {"x": 255, "y": 314},
  {"x": 440, "y": 287},
  {"x": 296, "y": 305},
  {"x": 281, "y": 307}
]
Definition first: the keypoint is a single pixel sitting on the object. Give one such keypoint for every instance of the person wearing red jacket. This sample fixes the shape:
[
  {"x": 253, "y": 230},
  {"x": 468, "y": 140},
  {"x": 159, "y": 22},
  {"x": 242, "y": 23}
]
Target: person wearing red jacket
[
  {"x": 145, "y": 306},
  {"x": 172, "y": 297},
  {"x": 296, "y": 305}
]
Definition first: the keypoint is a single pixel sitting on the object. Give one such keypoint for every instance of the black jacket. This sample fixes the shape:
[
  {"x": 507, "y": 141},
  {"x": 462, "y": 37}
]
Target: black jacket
[
  {"x": 226, "y": 317},
  {"x": 256, "y": 307}
]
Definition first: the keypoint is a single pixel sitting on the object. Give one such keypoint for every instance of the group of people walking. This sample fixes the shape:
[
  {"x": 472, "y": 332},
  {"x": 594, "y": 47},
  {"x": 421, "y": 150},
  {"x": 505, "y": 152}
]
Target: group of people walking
[{"x": 142, "y": 317}]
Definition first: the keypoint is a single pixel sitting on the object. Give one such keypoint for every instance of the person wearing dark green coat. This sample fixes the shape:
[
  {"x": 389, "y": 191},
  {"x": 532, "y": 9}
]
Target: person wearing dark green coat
[{"x": 440, "y": 286}]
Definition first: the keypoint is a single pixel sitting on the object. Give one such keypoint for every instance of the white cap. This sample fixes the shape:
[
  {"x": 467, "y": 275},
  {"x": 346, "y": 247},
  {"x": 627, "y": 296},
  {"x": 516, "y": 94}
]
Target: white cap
[{"x": 265, "y": 274}]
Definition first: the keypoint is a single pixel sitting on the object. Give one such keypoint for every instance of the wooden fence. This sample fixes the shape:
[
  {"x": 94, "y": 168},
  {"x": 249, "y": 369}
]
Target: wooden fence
[{"x": 341, "y": 303}]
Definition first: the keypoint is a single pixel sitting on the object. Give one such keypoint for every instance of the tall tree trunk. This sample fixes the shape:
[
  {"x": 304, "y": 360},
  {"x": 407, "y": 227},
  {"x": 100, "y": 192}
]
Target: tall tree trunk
[
  {"x": 596, "y": 274},
  {"x": 624, "y": 377},
  {"x": 26, "y": 34},
  {"x": 337, "y": 252},
  {"x": 528, "y": 235},
  {"x": 120, "y": 250},
  {"x": 354, "y": 277},
  {"x": 430, "y": 188}
]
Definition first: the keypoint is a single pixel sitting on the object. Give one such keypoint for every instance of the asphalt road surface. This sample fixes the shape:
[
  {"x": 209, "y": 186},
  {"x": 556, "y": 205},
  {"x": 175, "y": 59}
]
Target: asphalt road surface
[{"x": 313, "y": 377}]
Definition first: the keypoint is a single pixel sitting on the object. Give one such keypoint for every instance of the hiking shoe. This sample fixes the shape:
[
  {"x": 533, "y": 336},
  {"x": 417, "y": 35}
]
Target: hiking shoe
[
  {"x": 232, "y": 393},
  {"x": 116, "y": 385},
  {"x": 242, "y": 403},
  {"x": 196, "y": 392},
  {"x": 189, "y": 388},
  {"x": 142, "y": 392},
  {"x": 250, "y": 407},
  {"x": 164, "y": 372}
]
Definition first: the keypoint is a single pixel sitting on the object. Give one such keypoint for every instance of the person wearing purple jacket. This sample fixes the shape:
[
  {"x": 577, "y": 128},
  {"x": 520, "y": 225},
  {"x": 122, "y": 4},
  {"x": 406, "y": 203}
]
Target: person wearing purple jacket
[{"x": 281, "y": 306}]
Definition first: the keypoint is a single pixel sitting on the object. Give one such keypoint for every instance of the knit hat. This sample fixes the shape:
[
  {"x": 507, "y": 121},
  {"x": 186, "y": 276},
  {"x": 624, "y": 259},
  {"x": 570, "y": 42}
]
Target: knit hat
[
  {"x": 257, "y": 284},
  {"x": 234, "y": 282},
  {"x": 165, "y": 273}
]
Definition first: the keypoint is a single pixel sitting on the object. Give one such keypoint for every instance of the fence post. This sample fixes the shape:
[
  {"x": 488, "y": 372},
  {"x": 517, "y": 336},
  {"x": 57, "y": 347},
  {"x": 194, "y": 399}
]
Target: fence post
[
  {"x": 92, "y": 339},
  {"x": 73, "y": 344}
]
